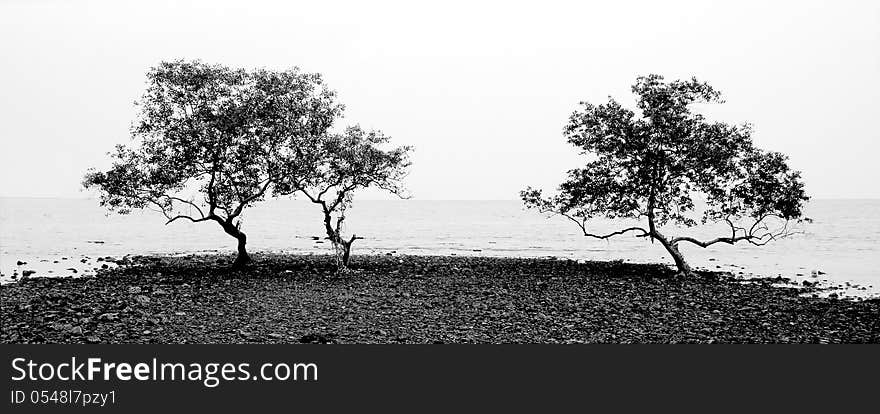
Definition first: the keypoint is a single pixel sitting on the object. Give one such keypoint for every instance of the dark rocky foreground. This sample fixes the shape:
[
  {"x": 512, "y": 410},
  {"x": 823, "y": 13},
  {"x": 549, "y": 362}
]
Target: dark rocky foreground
[{"x": 413, "y": 299}]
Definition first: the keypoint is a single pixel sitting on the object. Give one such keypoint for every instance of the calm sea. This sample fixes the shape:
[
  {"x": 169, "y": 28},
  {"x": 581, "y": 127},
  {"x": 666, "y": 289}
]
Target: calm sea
[{"x": 840, "y": 246}]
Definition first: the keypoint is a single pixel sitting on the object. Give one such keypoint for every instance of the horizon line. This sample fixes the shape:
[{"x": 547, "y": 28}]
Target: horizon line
[{"x": 410, "y": 199}]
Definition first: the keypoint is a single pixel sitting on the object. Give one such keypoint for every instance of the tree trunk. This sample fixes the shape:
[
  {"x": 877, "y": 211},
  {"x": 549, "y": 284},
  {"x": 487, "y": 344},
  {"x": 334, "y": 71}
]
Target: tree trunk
[
  {"x": 333, "y": 235},
  {"x": 684, "y": 269},
  {"x": 342, "y": 249},
  {"x": 346, "y": 254},
  {"x": 340, "y": 246},
  {"x": 243, "y": 257}
]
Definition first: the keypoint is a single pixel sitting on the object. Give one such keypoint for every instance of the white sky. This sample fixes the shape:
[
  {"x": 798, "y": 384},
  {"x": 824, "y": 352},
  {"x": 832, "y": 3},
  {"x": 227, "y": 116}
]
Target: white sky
[{"x": 482, "y": 90}]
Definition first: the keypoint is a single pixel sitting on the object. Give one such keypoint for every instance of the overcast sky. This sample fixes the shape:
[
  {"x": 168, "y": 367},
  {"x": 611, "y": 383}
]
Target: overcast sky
[{"x": 481, "y": 90}]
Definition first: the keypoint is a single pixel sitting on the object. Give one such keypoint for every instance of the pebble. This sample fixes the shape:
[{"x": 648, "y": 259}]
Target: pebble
[{"x": 108, "y": 316}]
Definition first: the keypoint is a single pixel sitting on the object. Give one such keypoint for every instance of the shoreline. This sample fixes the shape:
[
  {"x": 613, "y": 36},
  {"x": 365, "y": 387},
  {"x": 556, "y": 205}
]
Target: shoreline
[
  {"x": 283, "y": 298},
  {"x": 82, "y": 265}
]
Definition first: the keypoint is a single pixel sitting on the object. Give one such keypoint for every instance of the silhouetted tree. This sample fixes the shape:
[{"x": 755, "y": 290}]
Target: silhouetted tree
[
  {"x": 340, "y": 165},
  {"x": 211, "y": 141},
  {"x": 654, "y": 165}
]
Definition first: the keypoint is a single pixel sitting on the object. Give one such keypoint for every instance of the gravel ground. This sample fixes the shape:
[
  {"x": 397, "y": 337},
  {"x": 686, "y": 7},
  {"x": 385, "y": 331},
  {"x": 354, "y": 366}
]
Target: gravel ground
[{"x": 419, "y": 299}]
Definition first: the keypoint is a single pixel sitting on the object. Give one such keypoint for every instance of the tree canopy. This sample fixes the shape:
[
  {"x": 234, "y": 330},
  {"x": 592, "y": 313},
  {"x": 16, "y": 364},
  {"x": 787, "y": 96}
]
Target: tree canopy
[
  {"x": 210, "y": 141},
  {"x": 656, "y": 164},
  {"x": 341, "y": 164}
]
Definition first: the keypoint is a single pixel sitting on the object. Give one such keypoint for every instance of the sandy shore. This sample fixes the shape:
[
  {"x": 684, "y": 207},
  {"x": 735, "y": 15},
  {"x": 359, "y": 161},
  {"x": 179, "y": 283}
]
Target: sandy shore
[{"x": 419, "y": 299}]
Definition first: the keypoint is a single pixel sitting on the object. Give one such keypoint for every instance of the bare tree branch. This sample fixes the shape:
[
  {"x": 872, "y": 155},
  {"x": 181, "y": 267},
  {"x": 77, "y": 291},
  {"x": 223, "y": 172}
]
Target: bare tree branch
[
  {"x": 644, "y": 232},
  {"x": 247, "y": 200},
  {"x": 194, "y": 220},
  {"x": 758, "y": 234}
]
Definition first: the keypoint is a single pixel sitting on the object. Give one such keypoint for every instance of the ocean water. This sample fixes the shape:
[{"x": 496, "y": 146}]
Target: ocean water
[{"x": 840, "y": 248}]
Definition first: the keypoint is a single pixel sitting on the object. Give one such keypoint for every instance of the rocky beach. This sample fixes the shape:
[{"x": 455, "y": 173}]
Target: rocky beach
[{"x": 421, "y": 299}]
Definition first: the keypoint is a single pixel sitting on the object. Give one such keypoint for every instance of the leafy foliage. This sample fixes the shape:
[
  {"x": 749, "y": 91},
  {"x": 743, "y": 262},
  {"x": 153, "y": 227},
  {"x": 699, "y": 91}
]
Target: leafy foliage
[
  {"x": 342, "y": 164},
  {"x": 655, "y": 164},
  {"x": 211, "y": 140}
]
